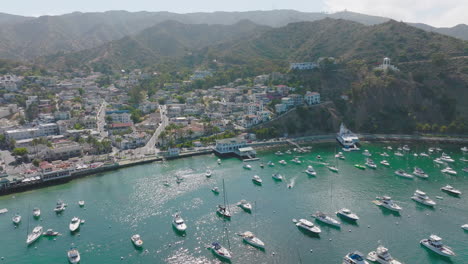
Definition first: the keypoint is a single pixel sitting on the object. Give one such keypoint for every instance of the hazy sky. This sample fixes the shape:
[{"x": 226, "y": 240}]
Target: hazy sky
[{"x": 433, "y": 12}]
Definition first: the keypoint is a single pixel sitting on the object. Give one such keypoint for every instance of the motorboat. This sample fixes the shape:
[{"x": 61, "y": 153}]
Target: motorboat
[
  {"x": 347, "y": 138},
  {"x": 333, "y": 168},
  {"x": 446, "y": 158},
  {"x": 34, "y": 235},
  {"x": 36, "y": 212},
  {"x": 50, "y": 232},
  {"x": 355, "y": 257},
  {"x": 271, "y": 164},
  {"x": 247, "y": 166},
  {"x": 74, "y": 224},
  {"x": 387, "y": 202},
  {"x": 431, "y": 150},
  {"x": 219, "y": 161},
  {"x": 389, "y": 148},
  {"x": 282, "y": 162},
  {"x": 277, "y": 176},
  {"x": 223, "y": 211},
  {"x": 136, "y": 240},
  {"x": 179, "y": 223},
  {"x": 346, "y": 213},
  {"x": 81, "y": 203},
  {"x": 166, "y": 183},
  {"x": 360, "y": 166},
  {"x": 310, "y": 170},
  {"x": 208, "y": 173},
  {"x": 382, "y": 256},
  {"x": 449, "y": 189},
  {"x": 279, "y": 153},
  {"x": 308, "y": 226},
  {"x": 319, "y": 216},
  {"x": 421, "y": 197},
  {"x": 370, "y": 163},
  {"x": 288, "y": 152},
  {"x": 262, "y": 165},
  {"x": 319, "y": 157},
  {"x": 366, "y": 153},
  {"x": 449, "y": 170},
  {"x": 340, "y": 156},
  {"x": 385, "y": 163},
  {"x": 252, "y": 240},
  {"x": 403, "y": 174},
  {"x": 439, "y": 161},
  {"x": 220, "y": 251},
  {"x": 420, "y": 173},
  {"x": 245, "y": 205},
  {"x": 405, "y": 148},
  {"x": 296, "y": 160},
  {"x": 256, "y": 179},
  {"x": 385, "y": 154},
  {"x": 464, "y": 149},
  {"x": 434, "y": 243},
  {"x": 60, "y": 207},
  {"x": 465, "y": 227},
  {"x": 463, "y": 159},
  {"x": 73, "y": 256},
  {"x": 423, "y": 154},
  {"x": 16, "y": 219},
  {"x": 215, "y": 190},
  {"x": 415, "y": 154},
  {"x": 399, "y": 154}
]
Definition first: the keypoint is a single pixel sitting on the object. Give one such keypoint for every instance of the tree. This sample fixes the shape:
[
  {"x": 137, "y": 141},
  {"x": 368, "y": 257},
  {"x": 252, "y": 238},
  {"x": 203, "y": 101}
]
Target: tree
[{"x": 20, "y": 152}]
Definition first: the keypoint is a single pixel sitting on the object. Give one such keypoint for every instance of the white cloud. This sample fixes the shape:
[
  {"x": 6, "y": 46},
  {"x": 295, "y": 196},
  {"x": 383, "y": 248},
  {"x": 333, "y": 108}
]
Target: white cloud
[{"x": 438, "y": 13}]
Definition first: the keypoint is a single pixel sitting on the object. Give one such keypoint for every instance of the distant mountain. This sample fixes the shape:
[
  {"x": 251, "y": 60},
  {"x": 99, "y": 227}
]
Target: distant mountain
[
  {"x": 167, "y": 40},
  {"x": 24, "y": 38}
]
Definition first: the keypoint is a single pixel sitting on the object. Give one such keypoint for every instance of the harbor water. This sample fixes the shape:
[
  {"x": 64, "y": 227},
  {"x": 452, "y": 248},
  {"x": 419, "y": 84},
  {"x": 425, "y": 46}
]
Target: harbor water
[{"x": 135, "y": 200}]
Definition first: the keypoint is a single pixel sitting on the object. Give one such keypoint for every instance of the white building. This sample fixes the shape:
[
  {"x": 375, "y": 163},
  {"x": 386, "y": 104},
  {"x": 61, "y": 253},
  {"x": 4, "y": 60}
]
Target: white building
[
  {"x": 312, "y": 98},
  {"x": 9, "y": 82},
  {"x": 120, "y": 116},
  {"x": 43, "y": 130},
  {"x": 302, "y": 65},
  {"x": 280, "y": 108},
  {"x": 386, "y": 65}
]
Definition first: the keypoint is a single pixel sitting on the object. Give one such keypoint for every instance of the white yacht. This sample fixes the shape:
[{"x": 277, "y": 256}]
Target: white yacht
[
  {"x": 403, "y": 174},
  {"x": 223, "y": 211},
  {"x": 252, "y": 240},
  {"x": 332, "y": 168},
  {"x": 81, "y": 203},
  {"x": 366, "y": 153},
  {"x": 385, "y": 154},
  {"x": 282, "y": 162},
  {"x": 423, "y": 154},
  {"x": 439, "y": 161},
  {"x": 50, "y": 232},
  {"x": 340, "y": 156},
  {"x": 219, "y": 161},
  {"x": 449, "y": 189},
  {"x": 434, "y": 243},
  {"x": 385, "y": 163},
  {"x": 220, "y": 251},
  {"x": 382, "y": 256},
  {"x": 465, "y": 227},
  {"x": 464, "y": 149},
  {"x": 288, "y": 152},
  {"x": 420, "y": 173},
  {"x": 347, "y": 138},
  {"x": 308, "y": 226},
  {"x": 245, "y": 205},
  {"x": 271, "y": 164},
  {"x": 179, "y": 223},
  {"x": 36, "y": 212},
  {"x": 355, "y": 257},
  {"x": 446, "y": 158},
  {"x": 319, "y": 216},
  {"x": 370, "y": 163},
  {"x": 346, "y": 213},
  {"x": 449, "y": 170},
  {"x": 35, "y": 234},
  {"x": 16, "y": 219},
  {"x": 208, "y": 173},
  {"x": 74, "y": 224},
  {"x": 310, "y": 170},
  {"x": 279, "y": 153},
  {"x": 389, "y": 147},
  {"x": 60, "y": 207},
  {"x": 296, "y": 160},
  {"x": 387, "y": 202},
  {"x": 136, "y": 240},
  {"x": 73, "y": 256},
  {"x": 257, "y": 179},
  {"x": 399, "y": 154},
  {"x": 319, "y": 157},
  {"x": 421, "y": 197},
  {"x": 247, "y": 166},
  {"x": 277, "y": 176},
  {"x": 405, "y": 148}
]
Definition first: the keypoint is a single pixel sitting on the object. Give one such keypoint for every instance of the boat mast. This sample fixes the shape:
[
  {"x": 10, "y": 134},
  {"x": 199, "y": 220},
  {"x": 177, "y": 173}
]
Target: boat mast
[{"x": 226, "y": 231}]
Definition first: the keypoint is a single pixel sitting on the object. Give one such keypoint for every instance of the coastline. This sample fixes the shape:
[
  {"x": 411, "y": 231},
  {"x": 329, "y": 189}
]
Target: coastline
[{"x": 265, "y": 145}]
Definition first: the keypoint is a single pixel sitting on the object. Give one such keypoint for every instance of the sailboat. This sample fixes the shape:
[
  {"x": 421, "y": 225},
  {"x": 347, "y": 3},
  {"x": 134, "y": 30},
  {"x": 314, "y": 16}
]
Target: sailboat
[
  {"x": 223, "y": 210},
  {"x": 216, "y": 247}
]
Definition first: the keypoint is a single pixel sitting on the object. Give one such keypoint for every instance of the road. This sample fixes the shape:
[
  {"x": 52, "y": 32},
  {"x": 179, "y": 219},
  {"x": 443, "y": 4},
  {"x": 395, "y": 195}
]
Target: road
[
  {"x": 101, "y": 120},
  {"x": 149, "y": 148}
]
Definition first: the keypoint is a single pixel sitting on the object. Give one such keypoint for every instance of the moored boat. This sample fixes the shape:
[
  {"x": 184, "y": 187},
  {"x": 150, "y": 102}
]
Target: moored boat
[
  {"x": 387, "y": 202},
  {"x": 179, "y": 223},
  {"x": 220, "y": 251},
  {"x": 332, "y": 168},
  {"x": 449, "y": 170},
  {"x": 277, "y": 176},
  {"x": 245, "y": 205},
  {"x": 252, "y": 240},
  {"x": 310, "y": 170},
  {"x": 420, "y": 173},
  {"x": 16, "y": 219},
  {"x": 74, "y": 224},
  {"x": 256, "y": 179},
  {"x": 434, "y": 243},
  {"x": 399, "y": 154},
  {"x": 282, "y": 162},
  {"x": 50, "y": 232},
  {"x": 446, "y": 158},
  {"x": 366, "y": 153},
  {"x": 60, "y": 207},
  {"x": 346, "y": 213},
  {"x": 403, "y": 174},
  {"x": 247, "y": 166},
  {"x": 370, "y": 163},
  {"x": 421, "y": 197},
  {"x": 223, "y": 211},
  {"x": 385, "y": 163},
  {"x": 73, "y": 256},
  {"x": 355, "y": 257},
  {"x": 382, "y": 256},
  {"x": 81, "y": 203},
  {"x": 34, "y": 235},
  {"x": 321, "y": 217},
  {"x": 208, "y": 173},
  {"x": 360, "y": 166},
  {"x": 308, "y": 226},
  {"x": 215, "y": 190},
  {"x": 36, "y": 212},
  {"x": 449, "y": 189},
  {"x": 136, "y": 240}
]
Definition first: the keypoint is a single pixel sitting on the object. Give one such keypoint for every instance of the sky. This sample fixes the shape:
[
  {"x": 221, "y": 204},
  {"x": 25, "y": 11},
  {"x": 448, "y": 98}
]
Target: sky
[{"x": 433, "y": 12}]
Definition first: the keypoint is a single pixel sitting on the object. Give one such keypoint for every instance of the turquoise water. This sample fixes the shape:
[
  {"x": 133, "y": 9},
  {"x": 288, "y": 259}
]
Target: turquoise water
[{"x": 134, "y": 200}]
